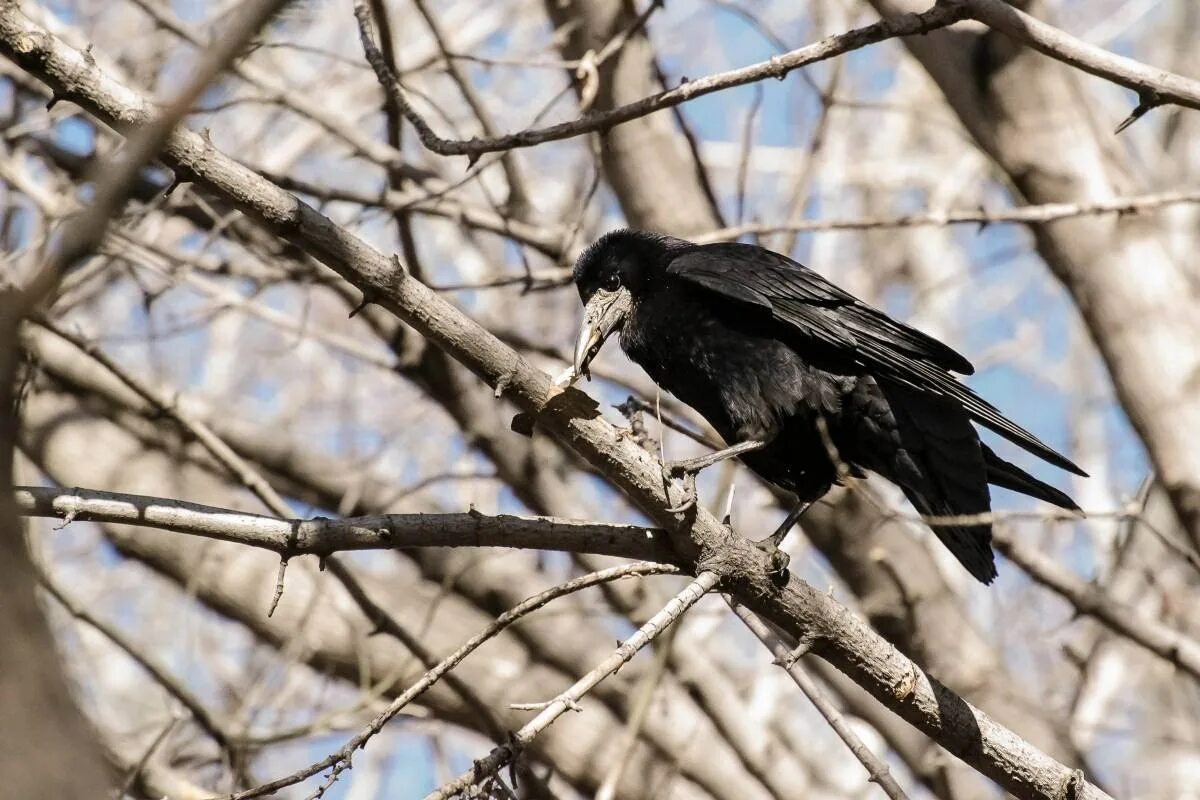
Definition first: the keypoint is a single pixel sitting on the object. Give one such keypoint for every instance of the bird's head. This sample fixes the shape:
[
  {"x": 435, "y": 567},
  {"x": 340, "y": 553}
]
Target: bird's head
[{"x": 611, "y": 275}]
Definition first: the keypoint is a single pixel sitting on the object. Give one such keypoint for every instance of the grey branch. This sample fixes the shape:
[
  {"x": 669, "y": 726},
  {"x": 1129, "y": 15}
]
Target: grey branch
[
  {"x": 877, "y": 770},
  {"x": 1091, "y": 600},
  {"x": 322, "y": 537},
  {"x": 1154, "y": 86},
  {"x": 1031, "y": 215},
  {"x": 643, "y": 636},
  {"x": 939, "y": 16}
]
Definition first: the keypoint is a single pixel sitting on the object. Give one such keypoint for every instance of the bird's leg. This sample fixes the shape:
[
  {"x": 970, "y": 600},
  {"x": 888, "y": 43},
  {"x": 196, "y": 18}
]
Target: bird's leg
[
  {"x": 690, "y": 467},
  {"x": 779, "y": 559},
  {"x": 673, "y": 469}
]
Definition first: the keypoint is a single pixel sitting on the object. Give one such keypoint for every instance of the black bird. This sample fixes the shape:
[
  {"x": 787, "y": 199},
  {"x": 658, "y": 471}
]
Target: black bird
[{"x": 802, "y": 378}]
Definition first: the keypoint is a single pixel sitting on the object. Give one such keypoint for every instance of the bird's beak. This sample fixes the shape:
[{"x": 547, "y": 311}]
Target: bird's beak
[{"x": 602, "y": 315}]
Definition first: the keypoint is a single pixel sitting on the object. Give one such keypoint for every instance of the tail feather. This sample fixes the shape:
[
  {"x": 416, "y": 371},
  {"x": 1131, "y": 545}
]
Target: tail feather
[
  {"x": 970, "y": 544},
  {"x": 1010, "y": 476},
  {"x": 943, "y": 473}
]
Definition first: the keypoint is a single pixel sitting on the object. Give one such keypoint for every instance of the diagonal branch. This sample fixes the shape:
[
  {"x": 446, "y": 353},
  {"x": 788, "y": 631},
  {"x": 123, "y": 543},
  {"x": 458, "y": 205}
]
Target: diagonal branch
[
  {"x": 877, "y": 770},
  {"x": 443, "y": 667},
  {"x": 941, "y": 15},
  {"x": 643, "y": 636},
  {"x": 1091, "y": 600}
]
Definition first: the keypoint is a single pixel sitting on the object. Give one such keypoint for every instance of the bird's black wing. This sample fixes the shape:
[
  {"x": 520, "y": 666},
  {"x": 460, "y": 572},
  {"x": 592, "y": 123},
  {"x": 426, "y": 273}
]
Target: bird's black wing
[
  {"x": 814, "y": 306},
  {"x": 815, "y": 309}
]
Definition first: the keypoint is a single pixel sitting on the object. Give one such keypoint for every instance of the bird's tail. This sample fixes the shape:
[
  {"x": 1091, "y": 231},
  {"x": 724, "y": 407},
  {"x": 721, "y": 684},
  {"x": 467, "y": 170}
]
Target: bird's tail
[
  {"x": 971, "y": 544},
  {"x": 942, "y": 472},
  {"x": 1010, "y": 476}
]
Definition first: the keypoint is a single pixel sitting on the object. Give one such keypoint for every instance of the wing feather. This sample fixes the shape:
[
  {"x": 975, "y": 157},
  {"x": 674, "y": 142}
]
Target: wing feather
[
  {"x": 817, "y": 310},
  {"x": 752, "y": 274}
]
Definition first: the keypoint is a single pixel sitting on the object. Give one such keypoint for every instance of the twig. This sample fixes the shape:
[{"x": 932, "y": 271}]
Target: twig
[
  {"x": 173, "y": 687},
  {"x": 448, "y": 663},
  {"x": 386, "y": 623},
  {"x": 1048, "y": 212},
  {"x": 222, "y": 452},
  {"x": 135, "y": 770},
  {"x": 1027, "y": 215},
  {"x": 518, "y": 193},
  {"x": 633, "y": 403},
  {"x": 642, "y": 700},
  {"x": 498, "y": 758},
  {"x": 306, "y": 106},
  {"x": 1154, "y": 86},
  {"x": 877, "y": 771}
]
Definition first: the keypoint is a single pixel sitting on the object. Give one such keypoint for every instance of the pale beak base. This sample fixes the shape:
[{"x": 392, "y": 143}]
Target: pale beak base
[{"x": 604, "y": 313}]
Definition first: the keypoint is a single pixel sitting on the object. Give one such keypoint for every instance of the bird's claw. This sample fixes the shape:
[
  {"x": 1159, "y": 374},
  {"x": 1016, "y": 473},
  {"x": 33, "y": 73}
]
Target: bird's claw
[
  {"x": 689, "y": 492},
  {"x": 777, "y": 560},
  {"x": 777, "y": 567},
  {"x": 685, "y": 467}
]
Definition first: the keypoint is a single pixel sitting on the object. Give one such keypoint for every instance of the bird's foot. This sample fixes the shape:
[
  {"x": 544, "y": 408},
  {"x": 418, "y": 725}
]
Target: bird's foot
[
  {"x": 689, "y": 492},
  {"x": 777, "y": 560},
  {"x": 689, "y": 468},
  {"x": 693, "y": 466}
]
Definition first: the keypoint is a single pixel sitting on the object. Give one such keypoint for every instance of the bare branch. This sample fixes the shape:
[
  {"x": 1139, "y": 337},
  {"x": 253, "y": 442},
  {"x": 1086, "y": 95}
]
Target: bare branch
[
  {"x": 1154, "y": 86},
  {"x": 1091, "y": 600},
  {"x": 942, "y": 14},
  {"x": 1030, "y": 215},
  {"x": 571, "y": 418},
  {"x": 438, "y": 671},
  {"x": 644, "y": 635},
  {"x": 322, "y": 537},
  {"x": 877, "y": 770},
  {"x": 207, "y": 722}
]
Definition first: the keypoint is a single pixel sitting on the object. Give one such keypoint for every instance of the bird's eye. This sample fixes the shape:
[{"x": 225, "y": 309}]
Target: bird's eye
[{"x": 611, "y": 282}]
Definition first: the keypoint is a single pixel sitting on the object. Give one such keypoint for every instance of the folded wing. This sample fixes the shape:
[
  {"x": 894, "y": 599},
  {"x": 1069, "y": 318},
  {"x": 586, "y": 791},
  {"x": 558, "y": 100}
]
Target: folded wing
[{"x": 817, "y": 311}]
